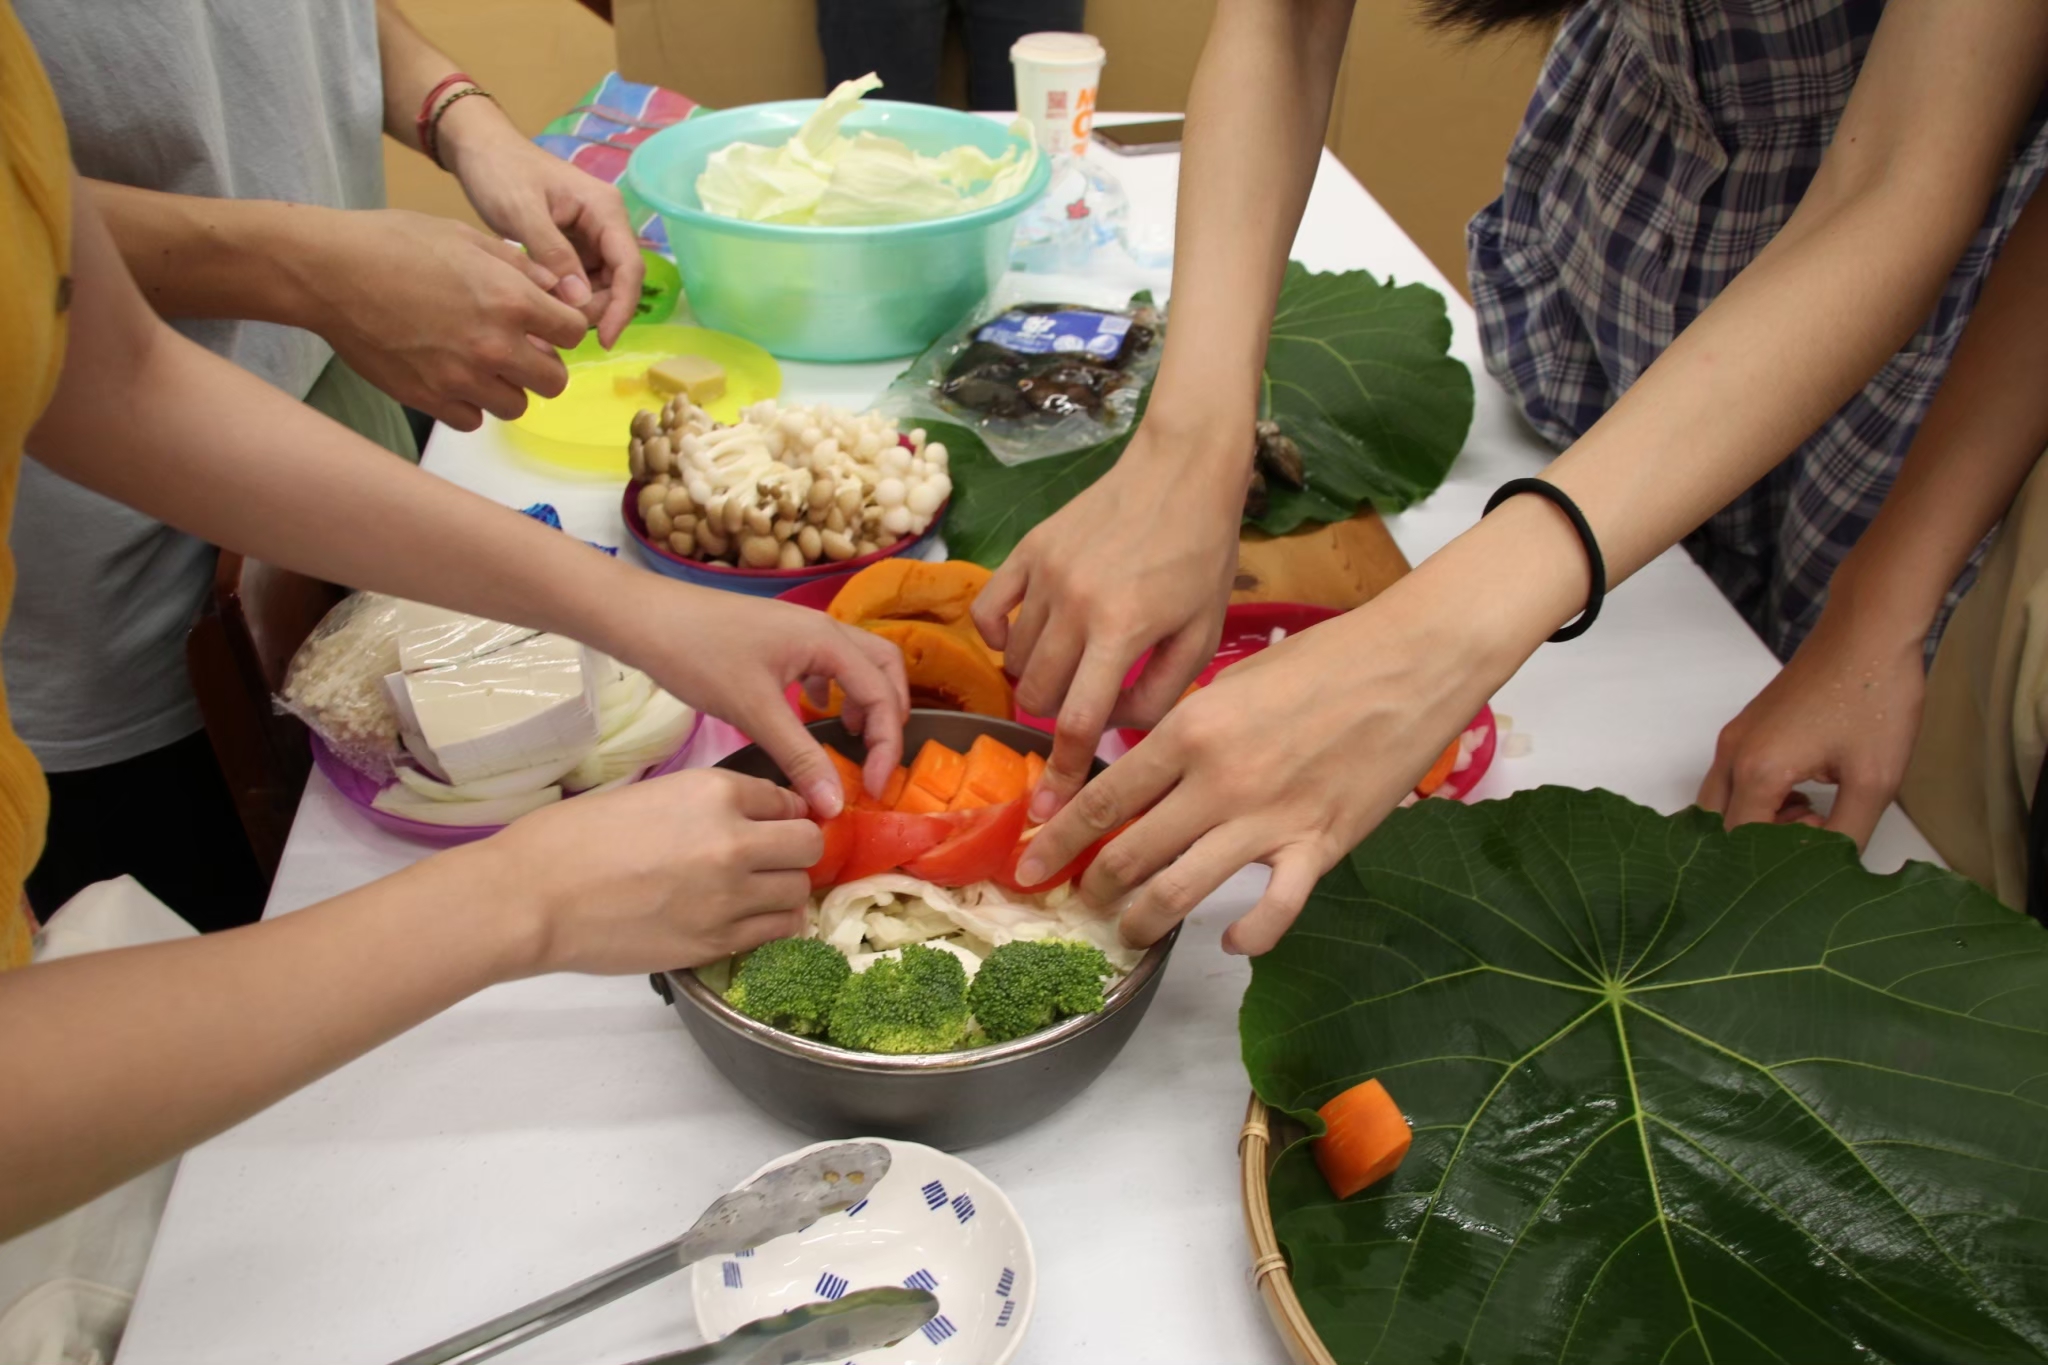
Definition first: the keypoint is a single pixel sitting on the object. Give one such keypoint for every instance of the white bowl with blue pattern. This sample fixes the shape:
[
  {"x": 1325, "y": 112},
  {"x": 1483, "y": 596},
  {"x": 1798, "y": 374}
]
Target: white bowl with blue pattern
[{"x": 933, "y": 1223}]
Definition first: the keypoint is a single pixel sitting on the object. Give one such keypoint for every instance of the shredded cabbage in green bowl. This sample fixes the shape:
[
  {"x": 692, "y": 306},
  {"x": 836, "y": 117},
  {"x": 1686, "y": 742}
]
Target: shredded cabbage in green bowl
[{"x": 823, "y": 178}]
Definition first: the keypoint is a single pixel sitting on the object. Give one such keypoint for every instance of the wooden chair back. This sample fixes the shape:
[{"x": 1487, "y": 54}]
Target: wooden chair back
[{"x": 237, "y": 654}]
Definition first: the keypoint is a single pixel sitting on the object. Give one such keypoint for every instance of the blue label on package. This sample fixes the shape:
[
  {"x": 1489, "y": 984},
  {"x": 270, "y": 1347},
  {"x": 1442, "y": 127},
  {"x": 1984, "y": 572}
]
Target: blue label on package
[{"x": 1076, "y": 332}]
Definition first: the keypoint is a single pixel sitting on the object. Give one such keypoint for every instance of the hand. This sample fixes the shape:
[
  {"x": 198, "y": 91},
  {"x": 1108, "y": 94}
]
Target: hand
[
  {"x": 1143, "y": 559},
  {"x": 571, "y": 223},
  {"x": 1845, "y": 710},
  {"x": 737, "y": 655},
  {"x": 1288, "y": 758},
  {"x": 673, "y": 872},
  {"x": 436, "y": 314}
]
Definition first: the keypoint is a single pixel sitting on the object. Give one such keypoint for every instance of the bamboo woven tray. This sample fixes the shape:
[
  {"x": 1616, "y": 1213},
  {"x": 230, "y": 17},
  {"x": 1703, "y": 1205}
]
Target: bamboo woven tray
[{"x": 1256, "y": 1146}]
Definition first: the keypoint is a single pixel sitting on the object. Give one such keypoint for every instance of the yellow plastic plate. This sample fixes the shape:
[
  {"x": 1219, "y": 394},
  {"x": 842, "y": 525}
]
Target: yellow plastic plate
[{"x": 585, "y": 430}]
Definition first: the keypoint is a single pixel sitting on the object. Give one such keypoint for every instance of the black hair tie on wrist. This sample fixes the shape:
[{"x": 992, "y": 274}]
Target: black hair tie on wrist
[{"x": 1597, "y": 594}]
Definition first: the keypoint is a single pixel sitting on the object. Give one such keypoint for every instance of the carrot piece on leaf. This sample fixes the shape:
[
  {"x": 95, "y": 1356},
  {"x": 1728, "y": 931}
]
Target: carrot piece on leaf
[{"x": 1366, "y": 1140}]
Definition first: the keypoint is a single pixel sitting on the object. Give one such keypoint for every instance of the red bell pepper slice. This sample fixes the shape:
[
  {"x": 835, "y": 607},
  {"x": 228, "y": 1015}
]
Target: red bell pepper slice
[
  {"x": 1072, "y": 872},
  {"x": 884, "y": 840},
  {"x": 979, "y": 851},
  {"x": 839, "y": 840}
]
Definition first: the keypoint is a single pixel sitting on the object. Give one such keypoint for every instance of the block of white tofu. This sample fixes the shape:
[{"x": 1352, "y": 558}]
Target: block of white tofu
[
  {"x": 520, "y": 707},
  {"x": 432, "y": 637}
]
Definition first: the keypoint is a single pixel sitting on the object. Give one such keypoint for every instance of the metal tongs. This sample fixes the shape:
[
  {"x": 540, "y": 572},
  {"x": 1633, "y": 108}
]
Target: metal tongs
[
  {"x": 787, "y": 1199},
  {"x": 864, "y": 1321}
]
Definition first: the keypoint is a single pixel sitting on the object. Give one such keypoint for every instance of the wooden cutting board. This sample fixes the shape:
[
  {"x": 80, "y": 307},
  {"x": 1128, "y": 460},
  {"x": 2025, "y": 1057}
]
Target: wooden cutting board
[{"x": 1340, "y": 565}]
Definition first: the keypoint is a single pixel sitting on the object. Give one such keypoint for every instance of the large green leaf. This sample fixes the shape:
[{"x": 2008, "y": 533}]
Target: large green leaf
[
  {"x": 1358, "y": 373},
  {"x": 995, "y": 505},
  {"x": 1678, "y": 1094}
]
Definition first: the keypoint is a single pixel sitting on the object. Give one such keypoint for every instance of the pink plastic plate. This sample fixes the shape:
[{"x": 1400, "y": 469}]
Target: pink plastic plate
[
  {"x": 361, "y": 790},
  {"x": 757, "y": 582}
]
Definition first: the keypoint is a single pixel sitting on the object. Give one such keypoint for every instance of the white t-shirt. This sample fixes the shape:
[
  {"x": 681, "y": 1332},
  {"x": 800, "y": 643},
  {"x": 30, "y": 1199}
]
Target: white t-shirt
[{"x": 236, "y": 99}]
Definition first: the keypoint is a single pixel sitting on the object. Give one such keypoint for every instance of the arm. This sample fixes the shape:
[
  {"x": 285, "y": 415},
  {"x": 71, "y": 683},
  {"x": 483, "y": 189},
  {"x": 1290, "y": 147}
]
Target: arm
[
  {"x": 1846, "y": 710},
  {"x": 215, "y": 435},
  {"x": 429, "y": 310},
  {"x": 1145, "y": 557},
  {"x": 572, "y": 223},
  {"x": 1276, "y": 764},
  {"x": 117, "y": 1061}
]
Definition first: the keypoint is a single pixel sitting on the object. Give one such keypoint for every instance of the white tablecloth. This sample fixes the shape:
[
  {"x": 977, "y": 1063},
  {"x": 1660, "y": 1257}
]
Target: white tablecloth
[{"x": 544, "y": 1130}]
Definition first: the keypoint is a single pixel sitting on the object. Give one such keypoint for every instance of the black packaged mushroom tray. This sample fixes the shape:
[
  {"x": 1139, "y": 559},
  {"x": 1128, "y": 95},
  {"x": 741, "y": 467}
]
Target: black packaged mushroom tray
[{"x": 1039, "y": 378}]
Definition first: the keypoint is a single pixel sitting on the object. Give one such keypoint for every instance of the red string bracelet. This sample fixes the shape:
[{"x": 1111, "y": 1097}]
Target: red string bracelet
[
  {"x": 423, "y": 125},
  {"x": 433, "y": 139}
]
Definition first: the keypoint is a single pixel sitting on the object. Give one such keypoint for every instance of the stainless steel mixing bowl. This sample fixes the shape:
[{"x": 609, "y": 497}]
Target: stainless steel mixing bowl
[{"x": 948, "y": 1100}]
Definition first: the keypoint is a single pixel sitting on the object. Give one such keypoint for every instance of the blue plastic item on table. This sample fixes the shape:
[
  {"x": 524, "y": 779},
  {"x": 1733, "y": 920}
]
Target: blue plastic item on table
[{"x": 829, "y": 293}]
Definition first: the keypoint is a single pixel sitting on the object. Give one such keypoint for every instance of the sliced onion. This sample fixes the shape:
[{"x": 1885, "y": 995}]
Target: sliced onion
[
  {"x": 488, "y": 788},
  {"x": 502, "y": 810},
  {"x": 620, "y": 703},
  {"x": 655, "y": 734}
]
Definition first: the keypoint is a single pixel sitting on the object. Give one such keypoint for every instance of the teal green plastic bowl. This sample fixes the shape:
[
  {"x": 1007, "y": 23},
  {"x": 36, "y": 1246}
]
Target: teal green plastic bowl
[{"x": 829, "y": 293}]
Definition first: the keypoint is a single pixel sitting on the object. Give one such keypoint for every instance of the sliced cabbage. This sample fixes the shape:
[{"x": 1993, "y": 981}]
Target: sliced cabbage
[
  {"x": 501, "y": 811},
  {"x": 886, "y": 911},
  {"x": 904, "y": 922},
  {"x": 821, "y": 178}
]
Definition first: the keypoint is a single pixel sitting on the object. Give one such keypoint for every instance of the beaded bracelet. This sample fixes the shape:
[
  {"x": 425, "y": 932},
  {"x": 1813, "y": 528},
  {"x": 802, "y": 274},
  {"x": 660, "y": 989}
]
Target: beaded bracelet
[
  {"x": 1595, "y": 562},
  {"x": 433, "y": 140}
]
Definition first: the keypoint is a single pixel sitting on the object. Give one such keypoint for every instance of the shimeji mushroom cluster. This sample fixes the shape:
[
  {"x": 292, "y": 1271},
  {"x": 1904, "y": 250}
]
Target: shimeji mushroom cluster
[{"x": 784, "y": 487}]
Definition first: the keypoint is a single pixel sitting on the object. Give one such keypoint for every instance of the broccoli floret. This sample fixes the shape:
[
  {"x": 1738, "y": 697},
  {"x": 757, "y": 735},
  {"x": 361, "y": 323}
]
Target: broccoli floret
[
  {"x": 791, "y": 983},
  {"x": 915, "y": 1003},
  {"x": 1025, "y": 985}
]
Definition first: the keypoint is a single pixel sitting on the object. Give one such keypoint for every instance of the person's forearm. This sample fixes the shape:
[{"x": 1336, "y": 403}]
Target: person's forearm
[
  {"x": 1858, "y": 267},
  {"x": 412, "y": 67},
  {"x": 196, "y": 257},
  {"x": 1257, "y": 113},
  {"x": 201, "y": 1033},
  {"x": 1925, "y": 138},
  {"x": 1982, "y": 436},
  {"x": 259, "y": 473}
]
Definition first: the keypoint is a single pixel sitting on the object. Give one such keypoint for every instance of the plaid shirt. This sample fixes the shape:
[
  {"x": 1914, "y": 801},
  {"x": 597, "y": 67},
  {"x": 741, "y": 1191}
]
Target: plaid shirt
[{"x": 1666, "y": 144}]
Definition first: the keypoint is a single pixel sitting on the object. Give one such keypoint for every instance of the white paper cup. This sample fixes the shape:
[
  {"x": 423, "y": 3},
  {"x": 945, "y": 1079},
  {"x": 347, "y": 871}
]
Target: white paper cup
[{"x": 1057, "y": 75}]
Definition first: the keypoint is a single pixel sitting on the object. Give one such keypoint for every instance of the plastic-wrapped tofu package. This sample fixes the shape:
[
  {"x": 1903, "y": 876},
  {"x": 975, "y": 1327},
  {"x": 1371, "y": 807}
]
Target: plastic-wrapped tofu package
[
  {"x": 444, "y": 637},
  {"x": 523, "y": 706}
]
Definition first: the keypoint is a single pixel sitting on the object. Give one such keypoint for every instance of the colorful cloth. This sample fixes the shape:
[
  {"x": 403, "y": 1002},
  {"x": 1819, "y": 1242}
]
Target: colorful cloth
[
  {"x": 600, "y": 133},
  {"x": 1666, "y": 144}
]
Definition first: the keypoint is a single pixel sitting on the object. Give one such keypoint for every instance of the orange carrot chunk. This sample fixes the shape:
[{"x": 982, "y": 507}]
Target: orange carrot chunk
[
  {"x": 1439, "y": 771},
  {"x": 850, "y": 788},
  {"x": 994, "y": 775},
  {"x": 938, "y": 770},
  {"x": 1366, "y": 1140},
  {"x": 1034, "y": 769},
  {"x": 915, "y": 800},
  {"x": 892, "y": 793}
]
